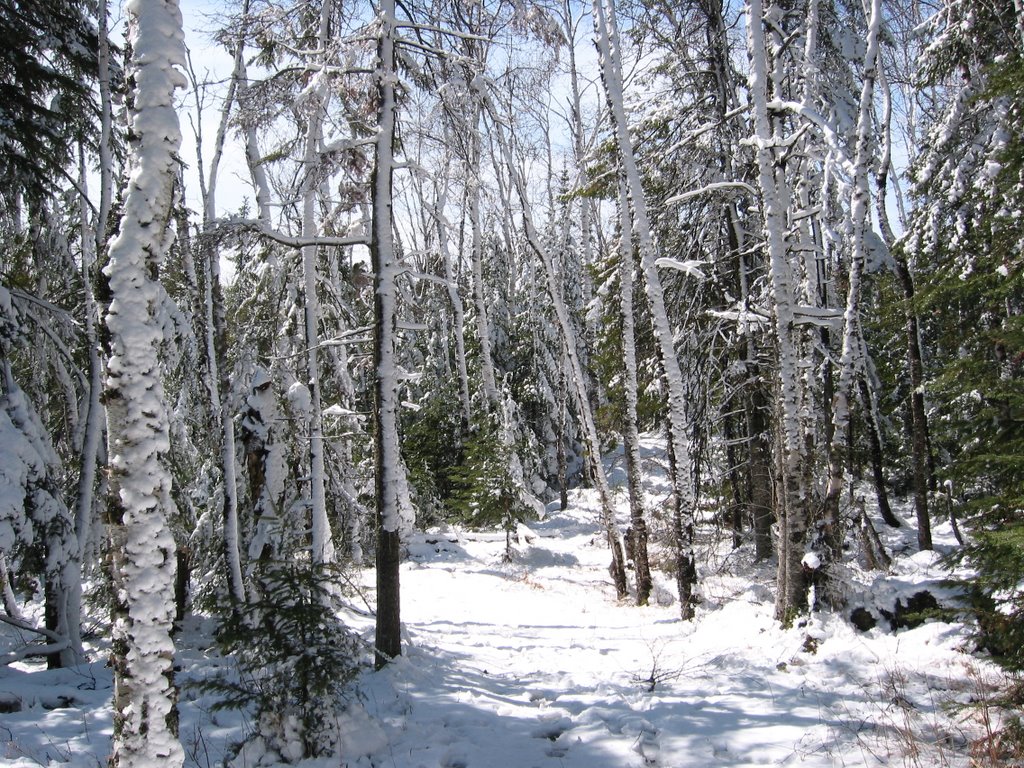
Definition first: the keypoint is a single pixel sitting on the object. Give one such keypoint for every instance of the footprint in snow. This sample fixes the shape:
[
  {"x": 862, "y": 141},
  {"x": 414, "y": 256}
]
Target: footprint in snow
[{"x": 551, "y": 728}]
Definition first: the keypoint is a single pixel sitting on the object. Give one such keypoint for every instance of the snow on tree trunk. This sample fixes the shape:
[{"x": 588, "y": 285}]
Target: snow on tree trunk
[
  {"x": 85, "y": 493},
  {"x": 637, "y": 539},
  {"x": 684, "y": 500},
  {"x": 851, "y": 355},
  {"x": 391, "y": 491},
  {"x": 586, "y": 212},
  {"x": 10, "y": 600},
  {"x": 322, "y": 542},
  {"x": 92, "y": 442},
  {"x": 142, "y": 548},
  {"x": 216, "y": 353},
  {"x": 794, "y": 501}
]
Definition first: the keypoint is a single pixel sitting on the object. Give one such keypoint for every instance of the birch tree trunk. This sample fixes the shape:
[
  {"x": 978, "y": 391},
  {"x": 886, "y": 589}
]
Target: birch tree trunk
[
  {"x": 390, "y": 478},
  {"x": 321, "y": 541},
  {"x": 92, "y": 439},
  {"x": 142, "y": 547},
  {"x": 851, "y": 355},
  {"x": 216, "y": 337},
  {"x": 794, "y": 498},
  {"x": 683, "y": 500},
  {"x": 93, "y": 247},
  {"x": 630, "y": 431}
]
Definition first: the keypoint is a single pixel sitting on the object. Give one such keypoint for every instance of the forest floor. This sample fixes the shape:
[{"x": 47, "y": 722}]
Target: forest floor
[{"x": 534, "y": 663}]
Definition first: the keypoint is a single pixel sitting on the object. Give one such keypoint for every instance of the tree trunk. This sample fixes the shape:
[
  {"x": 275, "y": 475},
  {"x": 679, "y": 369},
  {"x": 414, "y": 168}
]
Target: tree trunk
[
  {"x": 10, "y": 600},
  {"x": 85, "y": 493},
  {"x": 918, "y": 414},
  {"x": 390, "y": 479},
  {"x": 684, "y": 501},
  {"x": 851, "y": 361},
  {"x": 216, "y": 334},
  {"x": 761, "y": 495},
  {"x": 563, "y": 437},
  {"x": 794, "y": 493},
  {"x": 142, "y": 547},
  {"x": 321, "y": 540},
  {"x": 877, "y": 463},
  {"x": 630, "y": 434}
]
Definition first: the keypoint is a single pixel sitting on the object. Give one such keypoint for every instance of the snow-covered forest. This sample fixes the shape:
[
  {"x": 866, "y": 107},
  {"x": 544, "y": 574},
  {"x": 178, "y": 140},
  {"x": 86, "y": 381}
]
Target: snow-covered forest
[{"x": 485, "y": 383}]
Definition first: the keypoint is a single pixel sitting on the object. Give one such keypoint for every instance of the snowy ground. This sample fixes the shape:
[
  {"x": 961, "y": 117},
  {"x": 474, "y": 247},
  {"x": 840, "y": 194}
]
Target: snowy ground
[{"x": 535, "y": 663}]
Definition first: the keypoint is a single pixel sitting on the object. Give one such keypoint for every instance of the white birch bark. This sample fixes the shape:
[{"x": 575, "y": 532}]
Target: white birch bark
[
  {"x": 10, "y": 600},
  {"x": 851, "y": 356},
  {"x": 143, "y": 549},
  {"x": 391, "y": 490},
  {"x": 320, "y": 530},
  {"x": 579, "y": 150},
  {"x": 681, "y": 449},
  {"x": 794, "y": 511},
  {"x": 216, "y": 341},
  {"x": 94, "y": 241},
  {"x": 253, "y": 156},
  {"x": 630, "y": 431},
  {"x": 93, "y": 434}
]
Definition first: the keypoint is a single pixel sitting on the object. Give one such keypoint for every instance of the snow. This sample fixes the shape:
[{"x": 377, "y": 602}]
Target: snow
[
  {"x": 691, "y": 267},
  {"x": 535, "y": 663},
  {"x": 811, "y": 561}
]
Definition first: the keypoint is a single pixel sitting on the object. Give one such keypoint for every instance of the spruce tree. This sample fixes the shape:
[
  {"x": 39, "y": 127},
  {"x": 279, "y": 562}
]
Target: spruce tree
[{"x": 967, "y": 234}]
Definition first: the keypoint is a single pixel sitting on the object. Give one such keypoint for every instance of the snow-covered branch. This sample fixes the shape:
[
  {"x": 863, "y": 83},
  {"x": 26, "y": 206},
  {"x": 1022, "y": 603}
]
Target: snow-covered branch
[{"x": 718, "y": 186}]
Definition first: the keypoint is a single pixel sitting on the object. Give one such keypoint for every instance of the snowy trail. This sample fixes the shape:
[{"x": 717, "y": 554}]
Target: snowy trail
[
  {"x": 522, "y": 664},
  {"x": 534, "y": 664}
]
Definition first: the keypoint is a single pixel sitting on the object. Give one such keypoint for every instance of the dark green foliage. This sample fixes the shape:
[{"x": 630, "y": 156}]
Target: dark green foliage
[
  {"x": 607, "y": 361},
  {"x": 432, "y": 447},
  {"x": 47, "y": 63},
  {"x": 967, "y": 238},
  {"x": 994, "y": 596},
  {"x": 485, "y": 492},
  {"x": 293, "y": 657}
]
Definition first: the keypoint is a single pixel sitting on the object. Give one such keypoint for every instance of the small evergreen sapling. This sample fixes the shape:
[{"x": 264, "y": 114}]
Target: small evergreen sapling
[
  {"x": 485, "y": 491},
  {"x": 294, "y": 659}
]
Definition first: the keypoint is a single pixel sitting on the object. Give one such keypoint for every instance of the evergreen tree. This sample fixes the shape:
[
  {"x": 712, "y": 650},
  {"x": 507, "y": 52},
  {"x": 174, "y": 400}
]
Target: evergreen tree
[
  {"x": 968, "y": 234},
  {"x": 485, "y": 491},
  {"x": 293, "y": 662},
  {"x": 47, "y": 67}
]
